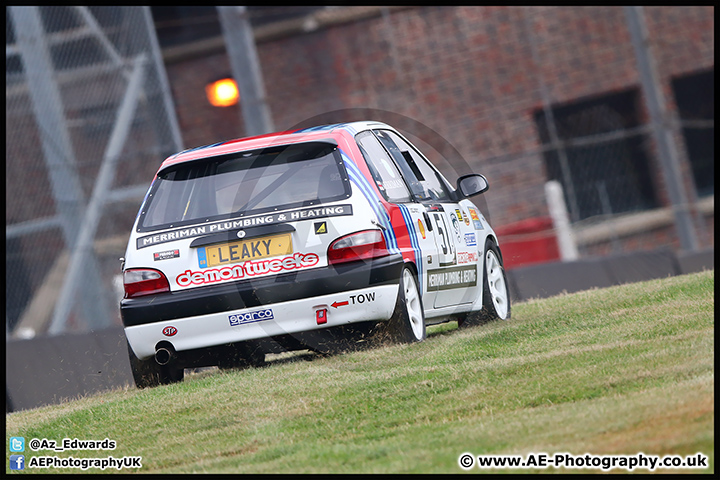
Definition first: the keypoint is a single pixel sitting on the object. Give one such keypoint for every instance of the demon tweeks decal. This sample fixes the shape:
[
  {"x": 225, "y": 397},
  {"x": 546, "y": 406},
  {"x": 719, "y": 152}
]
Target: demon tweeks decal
[{"x": 248, "y": 269}]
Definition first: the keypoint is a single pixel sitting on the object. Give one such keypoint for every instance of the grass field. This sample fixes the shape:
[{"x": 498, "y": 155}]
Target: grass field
[{"x": 614, "y": 371}]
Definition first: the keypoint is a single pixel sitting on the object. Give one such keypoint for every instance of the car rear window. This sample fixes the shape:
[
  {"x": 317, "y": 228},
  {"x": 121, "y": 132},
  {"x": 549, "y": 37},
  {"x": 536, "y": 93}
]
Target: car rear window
[{"x": 247, "y": 183}]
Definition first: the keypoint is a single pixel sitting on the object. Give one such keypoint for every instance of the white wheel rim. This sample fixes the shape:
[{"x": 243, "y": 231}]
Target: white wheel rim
[
  {"x": 413, "y": 305},
  {"x": 496, "y": 282}
]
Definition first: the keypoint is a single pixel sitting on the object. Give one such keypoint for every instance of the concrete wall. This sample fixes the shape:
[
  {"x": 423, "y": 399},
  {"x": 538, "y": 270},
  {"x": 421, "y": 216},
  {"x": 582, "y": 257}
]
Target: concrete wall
[{"x": 51, "y": 370}]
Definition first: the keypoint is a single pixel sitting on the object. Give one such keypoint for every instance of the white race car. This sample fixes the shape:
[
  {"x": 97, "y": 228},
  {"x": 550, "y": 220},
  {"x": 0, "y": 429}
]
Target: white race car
[{"x": 296, "y": 239}]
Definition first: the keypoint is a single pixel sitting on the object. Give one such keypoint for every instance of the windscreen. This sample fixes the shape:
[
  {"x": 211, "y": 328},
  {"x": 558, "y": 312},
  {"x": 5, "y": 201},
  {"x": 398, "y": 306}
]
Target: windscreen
[{"x": 245, "y": 184}]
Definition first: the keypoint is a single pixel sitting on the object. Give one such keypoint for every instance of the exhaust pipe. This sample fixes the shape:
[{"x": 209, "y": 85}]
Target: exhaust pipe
[{"x": 163, "y": 356}]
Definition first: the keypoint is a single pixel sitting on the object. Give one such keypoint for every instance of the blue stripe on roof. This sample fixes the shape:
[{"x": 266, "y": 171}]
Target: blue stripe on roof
[{"x": 320, "y": 128}]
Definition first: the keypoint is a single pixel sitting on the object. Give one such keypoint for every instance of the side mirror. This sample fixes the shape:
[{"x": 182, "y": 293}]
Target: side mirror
[{"x": 473, "y": 184}]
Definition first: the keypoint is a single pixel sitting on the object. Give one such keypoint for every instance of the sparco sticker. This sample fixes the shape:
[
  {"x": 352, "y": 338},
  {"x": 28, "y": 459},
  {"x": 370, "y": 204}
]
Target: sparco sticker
[
  {"x": 269, "y": 219},
  {"x": 250, "y": 317}
]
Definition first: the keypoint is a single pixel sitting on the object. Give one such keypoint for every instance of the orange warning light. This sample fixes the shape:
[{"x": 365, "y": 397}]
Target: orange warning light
[{"x": 222, "y": 93}]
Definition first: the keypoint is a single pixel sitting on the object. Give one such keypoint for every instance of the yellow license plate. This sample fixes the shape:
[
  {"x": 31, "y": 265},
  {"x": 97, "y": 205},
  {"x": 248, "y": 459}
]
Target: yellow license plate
[{"x": 250, "y": 249}]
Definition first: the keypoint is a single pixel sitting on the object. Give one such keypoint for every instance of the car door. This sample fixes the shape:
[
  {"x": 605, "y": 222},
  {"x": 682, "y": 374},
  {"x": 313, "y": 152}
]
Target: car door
[
  {"x": 452, "y": 272},
  {"x": 394, "y": 189}
]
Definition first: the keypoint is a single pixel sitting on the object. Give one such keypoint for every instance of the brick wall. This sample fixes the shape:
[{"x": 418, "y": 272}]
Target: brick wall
[{"x": 466, "y": 72}]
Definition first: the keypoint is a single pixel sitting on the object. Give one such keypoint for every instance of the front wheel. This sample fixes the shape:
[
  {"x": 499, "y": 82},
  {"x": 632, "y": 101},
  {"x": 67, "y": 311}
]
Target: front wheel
[
  {"x": 495, "y": 295},
  {"x": 407, "y": 325}
]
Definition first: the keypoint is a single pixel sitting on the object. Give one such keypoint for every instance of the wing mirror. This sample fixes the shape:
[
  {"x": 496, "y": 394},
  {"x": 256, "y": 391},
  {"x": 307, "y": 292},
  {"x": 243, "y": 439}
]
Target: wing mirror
[{"x": 473, "y": 184}]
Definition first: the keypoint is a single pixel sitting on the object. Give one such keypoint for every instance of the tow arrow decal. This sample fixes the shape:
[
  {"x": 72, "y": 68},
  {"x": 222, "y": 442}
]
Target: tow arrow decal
[{"x": 356, "y": 299}]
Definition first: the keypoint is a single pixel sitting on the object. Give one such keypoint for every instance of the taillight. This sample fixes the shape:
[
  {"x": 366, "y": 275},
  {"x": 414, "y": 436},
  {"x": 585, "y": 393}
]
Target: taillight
[
  {"x": 146, "y": 281},
  {"x": 357, "y": 246}
]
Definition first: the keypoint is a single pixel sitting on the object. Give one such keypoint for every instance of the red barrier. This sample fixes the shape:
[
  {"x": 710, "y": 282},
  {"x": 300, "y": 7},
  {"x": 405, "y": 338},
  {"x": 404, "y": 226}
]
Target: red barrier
[{"x": 528, "y": 242}]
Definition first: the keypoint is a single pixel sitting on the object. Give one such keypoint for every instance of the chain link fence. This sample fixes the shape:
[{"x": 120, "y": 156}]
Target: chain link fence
[
  {"x": 88, "y": 104},
  {"x": 88, "y": 119},
  {"x": 602, "y": 147}
]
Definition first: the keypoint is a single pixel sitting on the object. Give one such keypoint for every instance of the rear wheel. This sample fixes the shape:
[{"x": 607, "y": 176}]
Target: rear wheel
[
  {"x": 496, "y": 295},
  {"x": 148, "y": 373},
  {"x": 407, "y": 325}
]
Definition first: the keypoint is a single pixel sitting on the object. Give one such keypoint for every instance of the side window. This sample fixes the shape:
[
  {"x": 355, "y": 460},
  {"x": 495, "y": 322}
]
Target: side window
[
  {"x": 427, "y": 186},
  {"x": 386, "y": 175}
]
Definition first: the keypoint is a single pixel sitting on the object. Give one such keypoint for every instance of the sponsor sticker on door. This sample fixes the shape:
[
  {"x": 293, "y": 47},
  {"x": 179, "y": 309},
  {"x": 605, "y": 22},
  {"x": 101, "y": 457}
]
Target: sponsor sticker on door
[
  {"x": 470, "y": 240},
  {"x": 457, "y": 277},
  {"x": 476, "y": 219}
]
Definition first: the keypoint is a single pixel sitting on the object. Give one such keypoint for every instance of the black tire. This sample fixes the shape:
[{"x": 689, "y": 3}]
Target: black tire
[
  {"x": 407, "y": 325},
  {"x": 147, "y": 373},
  {"x": 495, "y": 293}
]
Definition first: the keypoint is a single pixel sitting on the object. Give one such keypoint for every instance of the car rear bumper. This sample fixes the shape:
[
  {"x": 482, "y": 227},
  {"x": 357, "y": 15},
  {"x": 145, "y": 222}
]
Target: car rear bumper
[{"x": 261, "y": 308}]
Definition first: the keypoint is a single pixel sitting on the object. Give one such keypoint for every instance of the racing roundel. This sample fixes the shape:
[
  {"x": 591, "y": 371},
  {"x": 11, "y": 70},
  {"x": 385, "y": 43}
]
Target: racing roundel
[
  {"x": 456, "y": 225},
  {"x": 169, "y": 331}
]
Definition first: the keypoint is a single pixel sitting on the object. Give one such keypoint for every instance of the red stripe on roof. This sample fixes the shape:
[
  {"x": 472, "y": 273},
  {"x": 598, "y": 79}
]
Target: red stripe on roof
[{"x": 252, "y": 143}]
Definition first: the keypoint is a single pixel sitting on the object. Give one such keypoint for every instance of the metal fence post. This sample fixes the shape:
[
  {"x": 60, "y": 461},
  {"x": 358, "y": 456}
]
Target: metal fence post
[
  {"x": 103, "y": 184},
  {"x": 661, "y": 129},
  {"x": 240, "y": 45},
  {"x": 57, "y": 147},
  {"x": 555, "y": 141}
]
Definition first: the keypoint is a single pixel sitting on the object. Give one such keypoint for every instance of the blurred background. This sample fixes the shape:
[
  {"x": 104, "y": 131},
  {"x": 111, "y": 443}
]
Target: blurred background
[{"x": 593, "y": 125}]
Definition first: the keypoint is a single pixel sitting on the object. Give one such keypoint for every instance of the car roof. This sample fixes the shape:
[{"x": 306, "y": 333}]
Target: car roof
[{"x": 320, "y": 132}]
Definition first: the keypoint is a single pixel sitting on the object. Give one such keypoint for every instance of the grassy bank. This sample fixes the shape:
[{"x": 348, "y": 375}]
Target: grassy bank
[{"x": 614, "y": 371}]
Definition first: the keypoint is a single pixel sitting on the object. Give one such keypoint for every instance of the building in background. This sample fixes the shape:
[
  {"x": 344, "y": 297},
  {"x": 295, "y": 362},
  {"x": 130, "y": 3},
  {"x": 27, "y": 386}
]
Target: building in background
[
  {"x": 523, "y": 95},
  {"x": 489, "y": 80}
]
